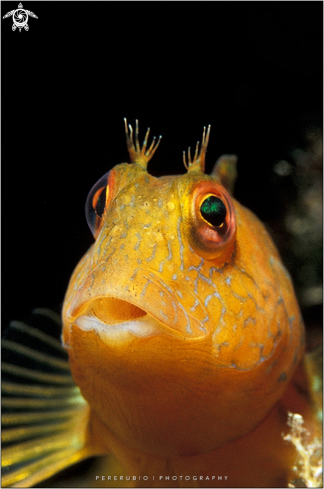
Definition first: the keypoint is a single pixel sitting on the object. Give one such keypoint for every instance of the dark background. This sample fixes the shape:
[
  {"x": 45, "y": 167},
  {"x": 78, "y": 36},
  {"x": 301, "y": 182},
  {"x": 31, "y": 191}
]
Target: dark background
[{"x": 253, "y": 70}]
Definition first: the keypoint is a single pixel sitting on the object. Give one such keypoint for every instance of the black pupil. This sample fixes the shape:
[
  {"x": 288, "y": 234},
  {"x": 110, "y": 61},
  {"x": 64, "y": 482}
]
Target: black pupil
[
  {"x": 213, "y": 211},
  {"x": 101, "y": 202}
]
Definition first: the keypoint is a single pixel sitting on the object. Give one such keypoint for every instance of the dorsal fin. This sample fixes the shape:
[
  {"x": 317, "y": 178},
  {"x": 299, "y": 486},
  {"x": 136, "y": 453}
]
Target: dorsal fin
[{"x": 225, "y": 171}]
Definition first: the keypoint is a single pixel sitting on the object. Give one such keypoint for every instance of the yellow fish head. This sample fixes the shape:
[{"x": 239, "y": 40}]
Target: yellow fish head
[{"x": 180, "y": 321}]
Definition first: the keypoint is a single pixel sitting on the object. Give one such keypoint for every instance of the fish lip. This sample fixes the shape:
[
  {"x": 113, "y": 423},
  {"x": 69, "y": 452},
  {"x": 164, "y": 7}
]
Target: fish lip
[
  {"x": 147, "y": 295},
  {"x": 136, "y": 321}
]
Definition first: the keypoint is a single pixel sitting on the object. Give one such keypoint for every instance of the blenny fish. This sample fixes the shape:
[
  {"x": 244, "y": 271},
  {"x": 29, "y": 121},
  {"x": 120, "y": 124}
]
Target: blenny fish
[{"x": 184, "y": 339}]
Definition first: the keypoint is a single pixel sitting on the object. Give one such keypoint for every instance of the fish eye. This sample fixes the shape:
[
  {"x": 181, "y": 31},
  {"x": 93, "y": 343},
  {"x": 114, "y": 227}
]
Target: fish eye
[
  {"x": 209, "y": 220},
  {"x": 213, "y": 210},
  {"x": 97, "y": 202}
]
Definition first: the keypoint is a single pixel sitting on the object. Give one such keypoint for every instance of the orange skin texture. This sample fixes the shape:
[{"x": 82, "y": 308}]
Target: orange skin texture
[{"x": 207, "y": 390}]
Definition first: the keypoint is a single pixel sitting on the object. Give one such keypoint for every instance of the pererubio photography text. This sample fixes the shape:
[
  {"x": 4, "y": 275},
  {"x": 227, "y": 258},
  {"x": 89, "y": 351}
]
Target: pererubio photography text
[{"x": 162, "y": 477}]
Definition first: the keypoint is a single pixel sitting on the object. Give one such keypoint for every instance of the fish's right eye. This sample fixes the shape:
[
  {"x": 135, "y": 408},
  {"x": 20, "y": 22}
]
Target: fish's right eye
[{"x": 97, "y": 202}]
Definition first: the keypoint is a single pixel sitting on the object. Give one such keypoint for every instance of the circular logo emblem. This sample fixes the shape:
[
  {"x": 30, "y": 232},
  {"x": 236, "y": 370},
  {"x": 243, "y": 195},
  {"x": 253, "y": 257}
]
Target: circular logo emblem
[{"x": 20, "y": 18}]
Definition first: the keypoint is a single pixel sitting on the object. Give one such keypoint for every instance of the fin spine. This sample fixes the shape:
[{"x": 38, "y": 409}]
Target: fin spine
[
  {"x": 19, "y": 402},
  {"x": 35, "y": 375},
  {"x": 35, "y": 355},
  {"x": 25, "y": 328},
  {"x": 12, "y": 434},
  {"x": 35, "y": 390},
  {"x": 42, "y": 311},
  {"x": 27, "y": 418}
]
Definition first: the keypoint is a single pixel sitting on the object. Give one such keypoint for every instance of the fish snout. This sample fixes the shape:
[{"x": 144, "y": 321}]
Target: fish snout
[{"x": 141, "y": 307}]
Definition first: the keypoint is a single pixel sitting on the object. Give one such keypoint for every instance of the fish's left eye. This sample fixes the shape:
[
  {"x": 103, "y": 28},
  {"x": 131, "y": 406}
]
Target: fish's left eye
[
  {"x": 97, "y": 202},
  {"x": 209, "y": 220},
  {"x": 213, "y": 211}
]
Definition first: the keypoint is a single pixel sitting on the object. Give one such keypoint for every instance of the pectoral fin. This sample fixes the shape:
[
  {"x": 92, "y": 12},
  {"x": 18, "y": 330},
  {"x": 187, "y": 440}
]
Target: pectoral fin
[{"x": 44, "y": 416}]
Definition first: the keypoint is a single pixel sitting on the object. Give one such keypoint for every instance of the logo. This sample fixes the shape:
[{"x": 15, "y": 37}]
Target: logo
[{"x": 20, "y": 17}]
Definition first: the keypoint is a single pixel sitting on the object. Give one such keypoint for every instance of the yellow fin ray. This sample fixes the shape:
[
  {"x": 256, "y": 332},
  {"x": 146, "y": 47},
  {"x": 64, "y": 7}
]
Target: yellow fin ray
[
  {"x": 44, "y": 416},
  {"x": 32, "y": 374},
  {"x": 30, "y": 353},
  {"x": 35, "y": 472}
]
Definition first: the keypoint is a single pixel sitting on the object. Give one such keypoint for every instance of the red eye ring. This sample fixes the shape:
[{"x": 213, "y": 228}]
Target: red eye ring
[
  {"x": 211, "y": 241},
  {"x": 98, "y": 200}
]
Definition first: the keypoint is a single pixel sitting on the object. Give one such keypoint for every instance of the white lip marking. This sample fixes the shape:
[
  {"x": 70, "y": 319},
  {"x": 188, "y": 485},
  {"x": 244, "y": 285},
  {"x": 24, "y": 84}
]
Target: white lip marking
[{"x": 143, "y": 327}]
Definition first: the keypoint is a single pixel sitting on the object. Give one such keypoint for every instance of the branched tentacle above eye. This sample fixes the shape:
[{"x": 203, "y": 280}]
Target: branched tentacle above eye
[
  {"x": 139, "y": 155},
  {"x": 198, "y": 162}
]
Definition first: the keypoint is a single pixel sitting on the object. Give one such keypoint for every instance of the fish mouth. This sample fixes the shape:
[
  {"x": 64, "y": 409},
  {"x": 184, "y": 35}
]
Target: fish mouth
[
  {"x": 145, "y": 307},
  {"x": 111, "y": 318}
]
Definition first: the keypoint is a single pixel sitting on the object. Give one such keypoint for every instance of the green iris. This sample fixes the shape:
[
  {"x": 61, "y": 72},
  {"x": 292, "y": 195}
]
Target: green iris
[{"x": 213, "y": 211}]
